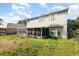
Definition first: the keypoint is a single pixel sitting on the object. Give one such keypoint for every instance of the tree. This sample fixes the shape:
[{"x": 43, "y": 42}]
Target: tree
[
  {"x": 77, "y": 32},
  {"x": 22, "y": 22},
  {"x": 19, "y": 22},
  {"x": 1, "y": 21},
  {"x": 72, "y": 26}
]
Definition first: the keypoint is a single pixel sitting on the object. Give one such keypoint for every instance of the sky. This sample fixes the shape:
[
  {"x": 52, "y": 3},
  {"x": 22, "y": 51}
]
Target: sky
[{"x": 13, "y": 12}]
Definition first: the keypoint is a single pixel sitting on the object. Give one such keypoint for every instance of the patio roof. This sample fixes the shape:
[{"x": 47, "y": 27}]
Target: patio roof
[{"x": 55, "y": 25}]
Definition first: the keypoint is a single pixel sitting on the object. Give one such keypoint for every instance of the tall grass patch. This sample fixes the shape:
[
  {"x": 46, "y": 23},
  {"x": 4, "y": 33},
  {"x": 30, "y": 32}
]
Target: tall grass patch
[{"x": 14, "y": 45}]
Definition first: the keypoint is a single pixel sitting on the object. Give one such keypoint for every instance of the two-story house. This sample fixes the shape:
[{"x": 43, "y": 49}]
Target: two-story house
[
  {"x": 50, "y": 24},
  {"x": 12, "y": 28}
]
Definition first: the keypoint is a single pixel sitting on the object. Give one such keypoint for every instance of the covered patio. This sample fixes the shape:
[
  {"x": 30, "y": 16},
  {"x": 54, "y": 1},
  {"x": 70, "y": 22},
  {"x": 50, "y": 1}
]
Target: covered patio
[
  {"x": 55, "y": 30},
  {"x": 52, "y": 30},
  {"x": 38, "y": 32}
]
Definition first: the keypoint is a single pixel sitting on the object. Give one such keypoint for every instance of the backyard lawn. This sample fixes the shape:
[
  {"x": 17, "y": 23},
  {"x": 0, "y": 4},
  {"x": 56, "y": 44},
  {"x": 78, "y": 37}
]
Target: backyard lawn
[{"x": 14, "y": 45}]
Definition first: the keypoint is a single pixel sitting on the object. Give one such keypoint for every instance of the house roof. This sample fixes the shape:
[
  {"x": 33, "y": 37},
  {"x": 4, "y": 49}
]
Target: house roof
[
  {"x": 52, "y": 12},
  {"x": 3, "y": 26},
  {"x": 55, "y": 25}
]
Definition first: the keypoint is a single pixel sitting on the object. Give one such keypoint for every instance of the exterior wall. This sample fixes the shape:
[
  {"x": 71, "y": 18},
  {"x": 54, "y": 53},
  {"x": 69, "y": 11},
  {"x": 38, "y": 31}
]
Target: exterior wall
[
  {"x": 13, "y": 29},
  {"x": 61, "y": 19},
  {"x": 18, "y": 26},
  {"x": 16, "y": 29},
  {"x": 39, "y": 22}
]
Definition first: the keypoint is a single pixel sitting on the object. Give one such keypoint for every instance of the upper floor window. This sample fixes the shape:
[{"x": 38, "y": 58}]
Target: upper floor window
[
  {"x": 41, "y": 19},
  {"x": 52, "y": 17}
]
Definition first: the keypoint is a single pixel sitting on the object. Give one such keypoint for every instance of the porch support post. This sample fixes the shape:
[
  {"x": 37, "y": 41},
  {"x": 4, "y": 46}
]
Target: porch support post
[
  {"x": 33, "y": 32},
  {"x": 26, "y": 32},
  {"x": 18, "y": 31},
  {"x": 41, "y": 32},
  {"x": 56, "y": 32},
  {"x": 49, "y": 31}
]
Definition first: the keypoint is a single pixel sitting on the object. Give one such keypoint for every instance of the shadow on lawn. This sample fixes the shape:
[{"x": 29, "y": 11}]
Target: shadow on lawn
[{"x": 53, "y": 38}]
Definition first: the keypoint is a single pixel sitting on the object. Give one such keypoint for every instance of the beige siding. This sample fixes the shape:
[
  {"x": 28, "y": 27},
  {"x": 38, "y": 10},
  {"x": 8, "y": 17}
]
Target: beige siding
[{"x": 60, "y": 18}]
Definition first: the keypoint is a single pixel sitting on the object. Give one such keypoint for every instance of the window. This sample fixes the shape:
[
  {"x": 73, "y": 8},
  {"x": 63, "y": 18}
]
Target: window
[
  {"x": 41, "y": 19},
  {"x": 53, "y": 33},
  {"x": 52, "y": 17}
]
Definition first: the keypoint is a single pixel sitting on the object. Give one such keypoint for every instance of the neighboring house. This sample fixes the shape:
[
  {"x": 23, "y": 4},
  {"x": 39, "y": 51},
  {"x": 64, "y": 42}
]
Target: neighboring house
[
  {"x": 50, "y": 24},
  {"x": 16, "y": 28},
  {"x": 3, "y": 29},
  {"x": 11, "y": 28}
]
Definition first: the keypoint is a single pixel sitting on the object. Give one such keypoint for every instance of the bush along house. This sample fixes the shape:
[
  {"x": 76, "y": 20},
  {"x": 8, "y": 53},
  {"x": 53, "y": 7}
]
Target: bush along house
[{"x": 52, "y": 24}]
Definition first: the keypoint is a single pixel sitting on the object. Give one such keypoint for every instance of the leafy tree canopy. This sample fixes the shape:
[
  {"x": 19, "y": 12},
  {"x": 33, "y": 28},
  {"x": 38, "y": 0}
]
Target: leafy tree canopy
[
  {"x": 22, "y": 22},
  {"x": 73, "y": 27}
]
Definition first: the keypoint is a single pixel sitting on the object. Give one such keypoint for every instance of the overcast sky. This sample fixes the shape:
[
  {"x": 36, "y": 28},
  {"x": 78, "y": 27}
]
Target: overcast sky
[{"x": 12, "y": 12}]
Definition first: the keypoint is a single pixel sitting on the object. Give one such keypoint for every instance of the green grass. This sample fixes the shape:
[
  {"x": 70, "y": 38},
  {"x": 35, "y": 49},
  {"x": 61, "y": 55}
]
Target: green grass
[{"x": 14, "y": 45}]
